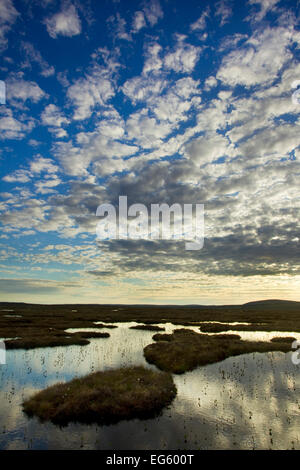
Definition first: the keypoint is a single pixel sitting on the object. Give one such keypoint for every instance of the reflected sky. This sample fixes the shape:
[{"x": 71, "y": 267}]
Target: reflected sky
[{"x": 249, "y": 401}]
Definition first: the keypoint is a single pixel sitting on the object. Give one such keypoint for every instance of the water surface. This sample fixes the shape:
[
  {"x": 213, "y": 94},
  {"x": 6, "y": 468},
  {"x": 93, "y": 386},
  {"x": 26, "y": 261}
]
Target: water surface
[{"x": 249, "y": 401}]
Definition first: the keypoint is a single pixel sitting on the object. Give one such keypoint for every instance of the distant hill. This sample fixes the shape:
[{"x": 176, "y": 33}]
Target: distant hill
[{"x": 273, "y": 305}]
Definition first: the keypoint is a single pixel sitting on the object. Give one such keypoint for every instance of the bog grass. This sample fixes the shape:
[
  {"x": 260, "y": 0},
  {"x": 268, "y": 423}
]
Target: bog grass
[
  {"x": 45, "y": 325},
  {"x": 104, "y": 397},
  {"x": 185, "y": 349}
]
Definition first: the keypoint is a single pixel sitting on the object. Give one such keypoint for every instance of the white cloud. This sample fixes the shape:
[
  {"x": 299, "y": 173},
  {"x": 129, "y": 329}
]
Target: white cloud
[
  {"x": 174, "y": 105},
  {"x": 18, "y": 176},
  {"x": 146, "y": 131},
  {"x": 265, "y": 7},
  {"x": 200, "y": 24},
  {"x": 259, "y": 60},
  {"x": 143, "y": 88},
  {"x": 153, "y": 11},
  {"x": 183, "y": 59},
  {"x": 8, "y": 16},
  {"x": 153, "y": 62},
  {"x": 274, "y": 142},
  {"x": 91, "y": 91},
  {"x": 224, "y": 11},
  {"x": 103, "y": 148},
  {"x": 207, "y": 148},
  {"x": 138, "y": 22},
  {"x": 46, "y": 186},
  {"x": 64, "y": 23},
  {"x": 54, "y": 119},
  {"x": 119, "y": 27},
  {"x": 41, "y": 164},
  {"x": 19, "y": 89},
  {"x": 12, "y": 128},
  {"x": 210, "y": 83}
]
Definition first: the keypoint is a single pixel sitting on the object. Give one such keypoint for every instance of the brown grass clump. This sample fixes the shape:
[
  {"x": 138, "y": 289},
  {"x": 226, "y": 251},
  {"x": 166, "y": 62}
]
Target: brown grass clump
[
  {"x": 104, "y": 397},
  {"x": 162, "y": 337},
  {"x": 185, "y": 350},
  {"x": 45, "y": 341},
  {"x": 147, "y": 327},
  {"x": 104, "y": 325},
  {"x": 36, "y": 338},
  {"x": 93, "y": 334},
  {"x": 283, "y": 339}
]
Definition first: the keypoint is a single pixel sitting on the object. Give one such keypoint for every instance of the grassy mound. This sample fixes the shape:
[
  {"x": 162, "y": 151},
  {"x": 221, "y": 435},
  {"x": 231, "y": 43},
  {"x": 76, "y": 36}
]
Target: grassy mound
[
  {"x": 104, "y": 397},
  {"x": 104, "y": 325},
  {"x": 56, "y": 338},
  {"x": 147, "y": 327},
  {"x": 185, "y": 350},
  {"x": 283, "y": 339},
  {"x": 93, "y": 334}
]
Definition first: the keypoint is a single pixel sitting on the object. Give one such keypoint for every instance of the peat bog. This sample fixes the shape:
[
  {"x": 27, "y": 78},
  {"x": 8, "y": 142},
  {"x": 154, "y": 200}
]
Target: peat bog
[
  {"x": 104, "y": 397},
  {"x": 44, "y": 325}
]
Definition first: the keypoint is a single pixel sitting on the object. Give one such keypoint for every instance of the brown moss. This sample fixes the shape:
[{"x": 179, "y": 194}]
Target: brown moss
[
  {"x": 185, "y": 350},
  {"x": 283, "y": 339},
  {"x": 162, "y": 337},
  {"x": 93, "y": 334},
  {"x": 147, "y": 328},
  {"x": 104, "y": 397},
  {"x": 104, "y": 325},
  {"x": 45, "y": 342}
]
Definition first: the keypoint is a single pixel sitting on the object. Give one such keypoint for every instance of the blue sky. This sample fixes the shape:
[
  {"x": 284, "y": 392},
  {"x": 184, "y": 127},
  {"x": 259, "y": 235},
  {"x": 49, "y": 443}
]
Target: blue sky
[{"x": 165, "y": 102}]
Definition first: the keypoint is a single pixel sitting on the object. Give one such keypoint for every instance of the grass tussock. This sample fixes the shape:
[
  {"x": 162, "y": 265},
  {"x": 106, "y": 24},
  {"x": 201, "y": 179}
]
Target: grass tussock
[
  {"x": 93, "y": 334},
  {"x": 283, "y": 339},
  {"x": 104, "y": 397},
  {"x": 185, "y": 350},
  {"x": 147, "y": 327},
  {"x": 40, "y": 339},
  {"x": 220, "y": 327},
  {"x": 103, "y": 325}
]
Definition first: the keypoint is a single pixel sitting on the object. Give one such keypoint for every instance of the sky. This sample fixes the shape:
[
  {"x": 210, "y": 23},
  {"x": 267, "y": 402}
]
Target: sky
[{"x": 164, "y": 101}]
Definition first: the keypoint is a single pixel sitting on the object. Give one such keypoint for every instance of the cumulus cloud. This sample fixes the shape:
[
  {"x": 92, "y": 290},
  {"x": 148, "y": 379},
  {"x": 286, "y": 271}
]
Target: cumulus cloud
[
  {"x": 153, "y": 11},
  {"x": 103, "y": 148},
  {"x": 138, "y": 22},
  {"x": 64, "y": 23},
  {"x": 86, "y": 93},
  {"x": 119, "y": 27},
  {"x": 41, "y": 164},
  {"x": 12, "y": 127},
  {"x": 183, "y": 58},
  {"x": 8, "y": 16},
  {"x": 265, "y": 6},
  {"x": 207, "y": 148},
  {"x": 174, "y": 134},
  {"x": 210, "y": 83},
  {"x": 18, "y": 176},
  {"x": 54, "y": 119},
  {"x": 46, "y": 186},
  {"x": 19, "y": 89},
  {"x": 259, "y": 60}
]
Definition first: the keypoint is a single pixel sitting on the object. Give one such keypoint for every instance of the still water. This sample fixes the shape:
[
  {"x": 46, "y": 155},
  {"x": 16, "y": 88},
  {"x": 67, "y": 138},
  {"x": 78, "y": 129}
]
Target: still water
[{"x": 246, "y": 402}]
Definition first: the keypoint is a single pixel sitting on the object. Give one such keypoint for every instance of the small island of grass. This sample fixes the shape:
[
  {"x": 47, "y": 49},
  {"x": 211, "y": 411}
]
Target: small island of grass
[
  {"x": 283, "y": 339},
  {"x": 104, "y": 397},
  {"x": 147, "y": 327},
  {"x": 93, "y": 334},
  {"x": 185, "y": 350}
]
